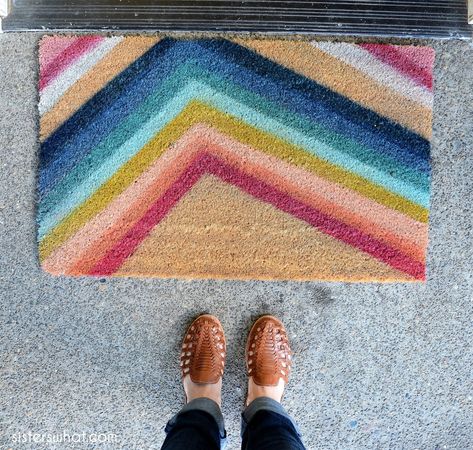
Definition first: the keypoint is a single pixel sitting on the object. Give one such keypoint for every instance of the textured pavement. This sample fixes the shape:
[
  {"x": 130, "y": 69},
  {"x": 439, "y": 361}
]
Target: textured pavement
[{"x": 376, "y": 366}]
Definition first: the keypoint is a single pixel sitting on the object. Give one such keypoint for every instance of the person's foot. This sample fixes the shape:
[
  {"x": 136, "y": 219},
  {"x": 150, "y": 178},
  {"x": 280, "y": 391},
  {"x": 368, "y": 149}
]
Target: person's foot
[
  {"x": 203, "y": 359},
  {"x": 268, "y": 359}
]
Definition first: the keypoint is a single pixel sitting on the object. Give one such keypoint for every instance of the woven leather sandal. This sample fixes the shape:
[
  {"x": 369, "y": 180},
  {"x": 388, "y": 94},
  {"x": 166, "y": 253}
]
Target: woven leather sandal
[
  {"x": 204, "y": 350},
  {"x": 268, "y": 355}
]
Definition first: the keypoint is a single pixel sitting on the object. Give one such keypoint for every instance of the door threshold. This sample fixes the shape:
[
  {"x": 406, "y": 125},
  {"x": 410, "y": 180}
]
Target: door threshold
[{"x": 441, "y": 19}]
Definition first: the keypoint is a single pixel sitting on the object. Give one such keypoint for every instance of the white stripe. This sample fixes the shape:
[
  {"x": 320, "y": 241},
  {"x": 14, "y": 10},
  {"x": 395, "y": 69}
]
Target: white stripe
[
  {"x": 53, "y": 91},
  {"x": 382, "y": 73}
]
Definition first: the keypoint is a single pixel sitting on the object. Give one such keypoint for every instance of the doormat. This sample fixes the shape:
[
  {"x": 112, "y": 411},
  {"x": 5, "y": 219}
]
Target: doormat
[{"x": 234, "y": 158}]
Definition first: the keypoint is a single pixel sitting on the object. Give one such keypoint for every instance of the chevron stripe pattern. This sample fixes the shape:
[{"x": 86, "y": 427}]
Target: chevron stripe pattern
[{"x": 243, "y": 159}]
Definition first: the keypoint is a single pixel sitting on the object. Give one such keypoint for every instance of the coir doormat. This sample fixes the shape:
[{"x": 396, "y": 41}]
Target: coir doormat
[{"x": 234, "y": 158}]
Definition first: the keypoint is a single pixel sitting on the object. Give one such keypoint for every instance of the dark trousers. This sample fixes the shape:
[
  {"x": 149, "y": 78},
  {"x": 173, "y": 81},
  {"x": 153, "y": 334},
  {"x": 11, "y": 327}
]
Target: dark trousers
[{"x": 265, "y": 426}]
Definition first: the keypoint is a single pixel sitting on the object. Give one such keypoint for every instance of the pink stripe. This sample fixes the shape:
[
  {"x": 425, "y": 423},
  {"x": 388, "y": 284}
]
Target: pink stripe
[
  {"x": 51, "y": 46},
  {"x": 389, "y": 54},
  {"x": 207, "y": 163},
  {"x": 421, "y": 56},
  {"x": 67, "y": 57}
]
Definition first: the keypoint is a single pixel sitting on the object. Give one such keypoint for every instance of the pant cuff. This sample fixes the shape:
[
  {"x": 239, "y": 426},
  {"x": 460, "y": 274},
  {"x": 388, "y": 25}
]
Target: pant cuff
[
  {"x": 267, "y": 404},
  {"x": 210, "y": 407}
]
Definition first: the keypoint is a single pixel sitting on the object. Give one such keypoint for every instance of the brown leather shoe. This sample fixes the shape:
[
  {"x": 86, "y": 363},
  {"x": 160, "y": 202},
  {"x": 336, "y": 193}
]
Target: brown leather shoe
[
  {"x": 268, "y": 355},
  {"x": 204, "y": 350}
]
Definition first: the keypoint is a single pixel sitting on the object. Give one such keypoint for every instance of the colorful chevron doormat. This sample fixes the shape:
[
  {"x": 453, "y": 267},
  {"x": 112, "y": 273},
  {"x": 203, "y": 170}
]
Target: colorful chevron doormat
[{"x": 243, "y": 159}]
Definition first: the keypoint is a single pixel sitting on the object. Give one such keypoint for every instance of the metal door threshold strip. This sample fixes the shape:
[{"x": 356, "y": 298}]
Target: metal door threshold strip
[{"x": 401, "y": 18}]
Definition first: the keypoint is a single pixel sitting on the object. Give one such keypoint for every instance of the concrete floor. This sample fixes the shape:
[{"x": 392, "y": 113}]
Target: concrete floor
[{"x": 376, "y": 366}]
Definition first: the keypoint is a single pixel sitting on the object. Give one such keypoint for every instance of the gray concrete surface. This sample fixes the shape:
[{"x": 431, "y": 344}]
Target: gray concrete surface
[{"x": 376, "y": 366}]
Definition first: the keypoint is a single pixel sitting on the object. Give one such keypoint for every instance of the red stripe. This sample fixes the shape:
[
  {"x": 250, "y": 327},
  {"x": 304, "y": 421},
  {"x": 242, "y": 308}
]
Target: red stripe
[
  {"x": 389, "y": 55},
  {"x": 70, "y": 54},
  {"x": 206, "y": 163}
]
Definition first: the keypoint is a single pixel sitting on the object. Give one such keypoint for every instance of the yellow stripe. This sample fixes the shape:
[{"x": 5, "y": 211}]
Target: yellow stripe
[
  {"x": 117, "y": 60},
  {"x": 343, "y": 78},
  {"x": 198, "y": 112}
]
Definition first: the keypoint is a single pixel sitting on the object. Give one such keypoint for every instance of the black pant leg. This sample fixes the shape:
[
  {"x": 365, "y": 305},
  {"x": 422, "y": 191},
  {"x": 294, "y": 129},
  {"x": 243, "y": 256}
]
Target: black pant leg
[
  {"x": 268, "y": 430},
  {"x": 192, "y": 430}
]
